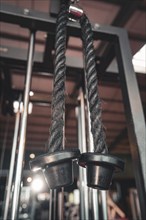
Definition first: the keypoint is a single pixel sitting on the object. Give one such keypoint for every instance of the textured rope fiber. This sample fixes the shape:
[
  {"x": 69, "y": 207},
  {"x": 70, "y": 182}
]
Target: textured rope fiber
[
  {"x": 58, "y": 100},
  {"x": 92, "y": 85}
]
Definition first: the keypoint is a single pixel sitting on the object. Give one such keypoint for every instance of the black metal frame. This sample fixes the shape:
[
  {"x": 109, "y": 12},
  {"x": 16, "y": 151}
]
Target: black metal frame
[{"x": 131, "y": 97}]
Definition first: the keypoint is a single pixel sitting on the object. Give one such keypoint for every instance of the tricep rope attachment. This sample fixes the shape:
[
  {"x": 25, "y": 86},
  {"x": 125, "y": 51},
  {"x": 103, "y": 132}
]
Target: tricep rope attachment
[{"x": 56, "y": 164}]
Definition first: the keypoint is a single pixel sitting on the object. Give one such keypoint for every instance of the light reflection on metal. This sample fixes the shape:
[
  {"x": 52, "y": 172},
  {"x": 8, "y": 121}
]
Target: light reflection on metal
[{"x": 21, "y": 148}]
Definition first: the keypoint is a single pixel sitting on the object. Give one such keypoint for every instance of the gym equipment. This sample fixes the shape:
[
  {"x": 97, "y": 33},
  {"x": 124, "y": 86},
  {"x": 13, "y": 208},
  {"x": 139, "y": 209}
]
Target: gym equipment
[
  {"x": 12, "y": 163},
  {"x": 57, "y": 165},
  {"x": 84, "y": 190},
  {"x": 21, "y": 147},
  {"x": 52, "y": 204},
  {"x": 100, "y": 169},
  {"x": 126, "y": 76},
  {"x": 104, "y": 206},
  {"x": 100, "y": 166}
]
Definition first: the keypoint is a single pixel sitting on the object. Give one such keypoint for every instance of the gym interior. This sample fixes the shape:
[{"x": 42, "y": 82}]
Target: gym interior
[{"x": 72, "y": 110}]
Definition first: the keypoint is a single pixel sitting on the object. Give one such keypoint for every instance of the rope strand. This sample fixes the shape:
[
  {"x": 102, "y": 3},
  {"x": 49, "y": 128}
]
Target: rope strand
[
  {"x": 58, "y": 99},
  {"x": 92, "y": 85}
]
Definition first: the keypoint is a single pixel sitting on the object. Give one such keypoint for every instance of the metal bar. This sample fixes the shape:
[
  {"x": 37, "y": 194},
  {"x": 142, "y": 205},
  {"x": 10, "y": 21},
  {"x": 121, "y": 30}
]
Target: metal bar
[
  {"x": 17, "y": 37},
  {"x": 94, "y": 207},
  {"x": 21, "y": 148},
  {"x": 18, "y": 54},
  {"x": 84, "y": 200},
  {"x": 104, "y": 204},
  {"x": 52, "y": 204},
  {"x": 61, "y": 204},
  {"x": 135, "y": 116},
  {"x": 44, "y": 22},
  {"x": 12, "y": 163},
  {"x": 125, "y": 13},
  {"x": 93, "y": 192},
  {"x": 54, "y": 207},
  {"x": 33, "y": 206},
  {"x": 16, "y": 57}
]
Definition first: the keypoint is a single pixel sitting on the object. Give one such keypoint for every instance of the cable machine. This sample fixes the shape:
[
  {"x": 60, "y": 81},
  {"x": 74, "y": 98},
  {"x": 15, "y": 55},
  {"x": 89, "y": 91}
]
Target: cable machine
[{"x": 56, "y": 164}]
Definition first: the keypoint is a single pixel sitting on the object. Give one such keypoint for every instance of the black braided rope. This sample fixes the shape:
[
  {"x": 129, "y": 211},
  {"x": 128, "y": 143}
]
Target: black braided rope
[
  {"x": 58, "y": 100},
  {"x": 92, "y": 87}
]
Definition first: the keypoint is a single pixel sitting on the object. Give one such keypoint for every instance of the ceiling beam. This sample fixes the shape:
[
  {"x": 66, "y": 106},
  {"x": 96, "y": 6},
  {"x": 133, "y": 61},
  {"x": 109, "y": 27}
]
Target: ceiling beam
[
  {"x": 15, "y": 57},
  {"x": 48, "y": 99},
  {"x": 120, "y": 20},
  {"x": 141, "y": 3},
  {"x": 125, "y": 13},
  {"x": 16, "y": 37}
]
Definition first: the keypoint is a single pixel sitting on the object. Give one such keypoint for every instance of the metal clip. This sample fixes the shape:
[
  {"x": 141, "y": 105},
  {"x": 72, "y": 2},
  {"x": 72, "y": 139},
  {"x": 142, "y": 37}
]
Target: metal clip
[{"x": 75, "y": 12}]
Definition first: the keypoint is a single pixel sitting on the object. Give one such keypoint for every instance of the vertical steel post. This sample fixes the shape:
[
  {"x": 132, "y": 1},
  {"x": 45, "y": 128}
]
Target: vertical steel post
[
  {"x": 95, "y": 204},
  {"x": 52, "y": 204},
  {"x": 55, "y": 200},
  {"x": 33, "y": 206},
  {"x": 94, "y": 193},
  {"x": 134, "y": 115},
  {"x": 104, "y": 204},
  {"x": 60, "y": 205},
  {"x": 84, "y": 200},
  {"x": 21, "y": 148},
  {"x": 12, "y": 163}
]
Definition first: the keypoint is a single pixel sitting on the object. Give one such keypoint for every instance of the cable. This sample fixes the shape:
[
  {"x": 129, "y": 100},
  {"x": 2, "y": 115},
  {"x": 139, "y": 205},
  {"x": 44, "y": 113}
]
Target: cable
[
  {"x": 58, "y": 100},
  {"x": 92, "y": 87}
]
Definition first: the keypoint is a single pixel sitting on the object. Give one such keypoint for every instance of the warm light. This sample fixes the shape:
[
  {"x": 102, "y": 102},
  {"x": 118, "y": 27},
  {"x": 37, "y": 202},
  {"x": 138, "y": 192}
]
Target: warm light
[
  {"x": 37, "y": 184},
  {"x": 43, "y": 196},
  {"x": 25, "y": 216},
  {"x": 76, "y": 194},
  {"x": 32, "y": 156},
  {"x": 21, "y": 107},
  {"x": 30, "y": 107},
  {"x": 16, "y": 107},
  {"x": 24, "y": 205},
  {"x": 71, "y": 198},
  {"x": 34, "y": 169},
  {"x": 139, "y": 60},
  {"x": 29, "y": 179},
  {"x": 31, "y": 93},
  {"x": 3, "y": 49}
]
